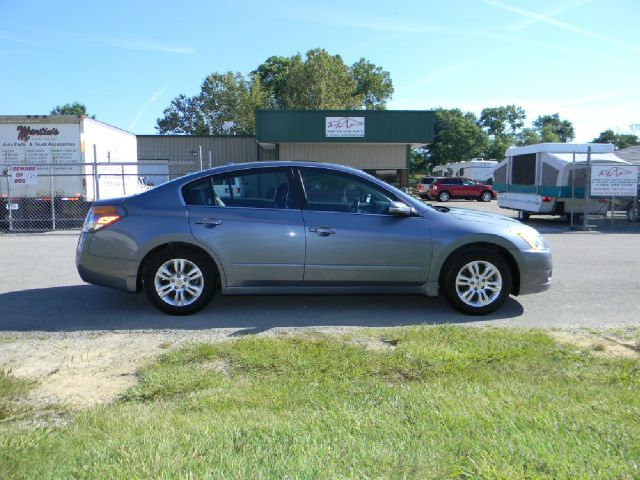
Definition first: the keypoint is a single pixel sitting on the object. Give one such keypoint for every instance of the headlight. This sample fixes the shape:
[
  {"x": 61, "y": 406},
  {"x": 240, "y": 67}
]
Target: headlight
[{"x": 531, "y": 237}]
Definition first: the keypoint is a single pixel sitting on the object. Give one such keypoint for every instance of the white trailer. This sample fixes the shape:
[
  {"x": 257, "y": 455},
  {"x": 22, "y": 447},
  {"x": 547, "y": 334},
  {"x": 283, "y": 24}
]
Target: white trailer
[
  {"x": 550, "y": 178},
  {"x": 475, "y": 169},
  {"x": 52, "y": 160}
]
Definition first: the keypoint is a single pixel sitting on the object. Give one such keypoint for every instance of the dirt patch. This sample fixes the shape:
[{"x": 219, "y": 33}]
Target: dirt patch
[
  {"x": 79, "y": 371},
  {"x": 600, "y": 344}
]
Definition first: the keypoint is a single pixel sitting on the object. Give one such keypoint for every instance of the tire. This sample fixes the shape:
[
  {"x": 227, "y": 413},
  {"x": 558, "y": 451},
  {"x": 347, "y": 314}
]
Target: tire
[
  {"x": 477, "y": 265},
  {"x": 523, "y": 215},
  {"x": 633, "y": 215},
  {"x": 182, "y": 297},
  {"x": 444, "y": 197},
  {"x": 486, "y": 196}
]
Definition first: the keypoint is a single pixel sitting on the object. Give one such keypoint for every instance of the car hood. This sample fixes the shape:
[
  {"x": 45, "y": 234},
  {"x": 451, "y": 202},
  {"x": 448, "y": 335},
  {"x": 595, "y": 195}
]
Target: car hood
[{"x": 467, "y": 215}]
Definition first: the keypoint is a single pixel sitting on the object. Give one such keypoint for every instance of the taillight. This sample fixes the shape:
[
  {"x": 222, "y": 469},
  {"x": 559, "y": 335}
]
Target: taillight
[
  {"x": 546, "y": 199},
  {"x": 420, "y": 186},
  {"x": 100, "y": 216}
]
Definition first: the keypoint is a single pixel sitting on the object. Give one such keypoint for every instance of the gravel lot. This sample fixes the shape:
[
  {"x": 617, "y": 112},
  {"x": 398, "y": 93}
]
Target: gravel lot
[{"x": 84, "y": 343}]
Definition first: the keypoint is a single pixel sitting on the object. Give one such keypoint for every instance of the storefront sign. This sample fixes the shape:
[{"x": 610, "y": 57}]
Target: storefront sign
[
  {"x": 614, "y": 180},
  {"x": 344, "y": 126}
]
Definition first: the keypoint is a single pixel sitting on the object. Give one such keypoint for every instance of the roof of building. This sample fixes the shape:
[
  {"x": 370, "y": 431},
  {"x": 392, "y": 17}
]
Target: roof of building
[
  {"x": 415, "y": 127},
  {"x": 630, "y": 154}
]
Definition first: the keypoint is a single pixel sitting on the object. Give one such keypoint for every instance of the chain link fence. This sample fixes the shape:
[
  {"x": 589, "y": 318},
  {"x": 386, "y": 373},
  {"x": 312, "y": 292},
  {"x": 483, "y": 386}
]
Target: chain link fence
[
  {"x": 612, "y": 202},
  {"x": 57, "y": 196}
]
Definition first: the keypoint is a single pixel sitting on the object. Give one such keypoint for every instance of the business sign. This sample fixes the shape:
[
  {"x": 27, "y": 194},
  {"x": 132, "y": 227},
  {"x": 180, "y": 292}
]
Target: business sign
[
  {"x": 24, "y": 175},
  {"x": 614, "y": 180},
  {"x": 344, "y": 126},
  {"x": 39, "y": 143}
]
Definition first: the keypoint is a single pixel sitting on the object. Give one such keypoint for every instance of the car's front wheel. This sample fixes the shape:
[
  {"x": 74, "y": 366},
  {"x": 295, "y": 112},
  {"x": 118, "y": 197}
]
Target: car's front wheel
[
  {"x": 477, "y": 282},
  {"x": 486, "y": 196},
  {"x": 179, "y": 281}
]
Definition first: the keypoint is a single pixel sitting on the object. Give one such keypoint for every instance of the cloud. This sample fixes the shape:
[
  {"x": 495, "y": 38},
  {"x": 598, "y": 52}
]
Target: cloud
[
  {"x": 148, "y": 103},
  {"x": 46, "y": 37},
  {"x": 562, "y": 25},
  {"x": 553, "y": 12},
  {"x": 142, "y": 44}
]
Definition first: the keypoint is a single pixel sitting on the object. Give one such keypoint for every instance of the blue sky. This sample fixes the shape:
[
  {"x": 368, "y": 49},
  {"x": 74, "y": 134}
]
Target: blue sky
[{"x": 127, "y": 60}]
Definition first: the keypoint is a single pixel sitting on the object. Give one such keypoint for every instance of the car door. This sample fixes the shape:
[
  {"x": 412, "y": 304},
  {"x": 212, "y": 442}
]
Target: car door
[
  {"x": 471, "y": 188},
  {"x": 353, "y": 240},
  {"x": 251, "y": 220}
]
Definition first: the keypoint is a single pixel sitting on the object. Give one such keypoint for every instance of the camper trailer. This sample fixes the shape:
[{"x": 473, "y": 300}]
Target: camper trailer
[
  {"x": 550, "y": 178},
  {"x": 474, "y": 169}
]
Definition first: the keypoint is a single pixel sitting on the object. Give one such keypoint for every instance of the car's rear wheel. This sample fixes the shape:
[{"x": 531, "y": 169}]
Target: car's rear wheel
[
  {"x": 486, "y": 196},
  {"x": 179, "y": 281},
  {"x": 444, "y": 197},
  {"x": 477, "y": 282}
]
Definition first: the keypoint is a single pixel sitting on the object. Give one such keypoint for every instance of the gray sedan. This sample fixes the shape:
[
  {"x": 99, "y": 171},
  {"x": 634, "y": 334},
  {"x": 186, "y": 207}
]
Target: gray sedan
[{"x": 295, "y": 227}]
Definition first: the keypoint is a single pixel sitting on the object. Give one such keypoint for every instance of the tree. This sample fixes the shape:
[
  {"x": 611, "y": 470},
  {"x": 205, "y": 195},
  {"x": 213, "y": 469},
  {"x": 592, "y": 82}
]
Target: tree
[
  {"x": 273, "y": 74},
  {"x": 75, "y": 108},
  {"x": 457, "y": 137},
  {"x": 501, "y": 124},
  {"x": 620, "y": 140},
  {"x": 373, "y": 85},
  {"x": 551, "y": 129},
  {"x": 223, "y": 98},
  {"x": 316, "y": 81},
  {"x": 527, "y": 136},
  {"x": 320, "y": 81}
]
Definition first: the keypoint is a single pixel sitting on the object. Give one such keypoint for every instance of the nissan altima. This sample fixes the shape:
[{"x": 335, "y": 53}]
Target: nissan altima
[{"x": 299, "y": 227}]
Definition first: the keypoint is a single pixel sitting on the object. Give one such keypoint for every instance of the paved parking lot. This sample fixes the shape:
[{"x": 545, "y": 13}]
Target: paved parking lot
[{"x": 596, "y": 284}]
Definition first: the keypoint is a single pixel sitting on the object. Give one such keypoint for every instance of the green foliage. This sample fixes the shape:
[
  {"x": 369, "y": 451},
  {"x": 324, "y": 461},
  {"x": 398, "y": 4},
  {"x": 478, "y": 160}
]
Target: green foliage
[
  {"x": 457, "y": 137},
  {"x": 227, "y": 97},
  {"x": 75, "y": 108},
  {"x": 373, "y": 85},
  {"x": 273, "y": 75},
  {"x": 502, "y": 125},
  {"x": 316, "y": 80},
  {"x": 620, "y": 140},
  {"x": 527, "y": 136},
  {"x": 443, "y": 402},
  {"x": 551, "y": 128},
  {"x": 319, "y": 81}
]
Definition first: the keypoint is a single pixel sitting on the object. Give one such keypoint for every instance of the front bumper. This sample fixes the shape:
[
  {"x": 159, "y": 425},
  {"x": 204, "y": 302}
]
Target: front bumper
[{"x": 536, "y": 269}]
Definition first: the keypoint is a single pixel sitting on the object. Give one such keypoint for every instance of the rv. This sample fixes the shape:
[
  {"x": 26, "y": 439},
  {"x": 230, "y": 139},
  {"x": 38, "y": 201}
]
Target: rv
[
  {"x": 474, "y": 169},
  {"x": 550, "y": 178}
]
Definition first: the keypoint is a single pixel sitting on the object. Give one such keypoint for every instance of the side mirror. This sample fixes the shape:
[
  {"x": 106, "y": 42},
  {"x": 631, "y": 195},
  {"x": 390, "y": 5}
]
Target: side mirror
[{"x": 399, "y": 209}]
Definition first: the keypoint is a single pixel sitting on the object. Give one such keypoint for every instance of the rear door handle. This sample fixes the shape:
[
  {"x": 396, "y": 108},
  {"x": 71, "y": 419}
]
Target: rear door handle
[
  {"x": 322, "y": 230},
  {"x": 209, "y": 222}
]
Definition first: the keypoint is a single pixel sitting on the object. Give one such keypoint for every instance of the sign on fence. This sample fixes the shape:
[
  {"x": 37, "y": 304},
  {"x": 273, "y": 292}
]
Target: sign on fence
[
  {"x": 24, "y": 175},
  {"x": 614, "y": 180}
]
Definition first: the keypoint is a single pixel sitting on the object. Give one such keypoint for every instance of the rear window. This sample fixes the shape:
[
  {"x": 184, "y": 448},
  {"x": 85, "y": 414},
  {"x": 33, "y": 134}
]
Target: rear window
[{"x": 427, "y": 180}]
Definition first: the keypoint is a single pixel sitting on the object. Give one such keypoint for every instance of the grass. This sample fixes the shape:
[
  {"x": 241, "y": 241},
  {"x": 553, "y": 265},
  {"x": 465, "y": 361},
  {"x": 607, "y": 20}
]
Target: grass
[
  {"x": 434, "y": 402},
  {"x": 10, "y": 389}
]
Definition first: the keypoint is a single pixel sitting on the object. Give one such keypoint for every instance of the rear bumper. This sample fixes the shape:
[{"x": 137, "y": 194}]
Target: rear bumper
[
  {"x": 535, "y": 272},
  {"x": 110, "y": 272}
]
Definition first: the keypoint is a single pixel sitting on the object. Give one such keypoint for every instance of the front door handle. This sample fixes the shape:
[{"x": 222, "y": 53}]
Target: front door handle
[
  {"x": 322, "y": 230},
  {"x": 209, "y": 222}
]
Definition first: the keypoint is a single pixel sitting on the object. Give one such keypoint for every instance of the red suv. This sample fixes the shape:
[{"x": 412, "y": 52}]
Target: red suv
[{"x": 445, "y": 188}]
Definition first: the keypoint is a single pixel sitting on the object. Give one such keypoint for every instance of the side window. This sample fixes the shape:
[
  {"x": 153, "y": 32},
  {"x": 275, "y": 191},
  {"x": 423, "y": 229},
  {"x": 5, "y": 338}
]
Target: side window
[
  {"x": 334, "y": 192},
  {"x": 268, "y": 188},
  {"x": 469, "y": 183}
]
